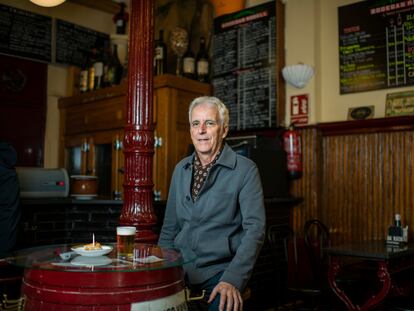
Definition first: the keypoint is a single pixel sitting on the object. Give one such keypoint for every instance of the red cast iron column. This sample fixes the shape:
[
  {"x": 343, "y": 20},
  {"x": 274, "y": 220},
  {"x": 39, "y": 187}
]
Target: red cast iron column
[{"x": 139, "y": 128}]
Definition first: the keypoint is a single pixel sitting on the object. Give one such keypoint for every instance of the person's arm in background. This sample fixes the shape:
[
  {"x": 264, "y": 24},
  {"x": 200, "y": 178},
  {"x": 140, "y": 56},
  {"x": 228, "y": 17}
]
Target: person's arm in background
[{"x": 9, "y": 198}]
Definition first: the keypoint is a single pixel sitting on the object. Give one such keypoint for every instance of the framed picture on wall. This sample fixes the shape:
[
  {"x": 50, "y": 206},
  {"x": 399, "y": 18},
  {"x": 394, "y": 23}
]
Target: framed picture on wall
[
  {"x": 23, "y": 85},
  {"x": 399, "y": 104}
]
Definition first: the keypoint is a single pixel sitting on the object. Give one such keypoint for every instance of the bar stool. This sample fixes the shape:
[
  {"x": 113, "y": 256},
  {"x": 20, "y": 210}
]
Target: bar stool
[{"x": 10, "y": 280}]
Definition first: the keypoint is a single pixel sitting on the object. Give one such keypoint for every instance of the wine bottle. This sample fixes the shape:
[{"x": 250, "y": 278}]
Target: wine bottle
[
  {"x": 115, "y": 68},
  {"x": 203, "y": 63},
  {"x": 83, "y": 75},
  {"x": 160, "y": 55},
  {"x": 397, "y": 221},
  {"x": 98, "y": 66},
  {"x": 121, "y": 19},
  {"x": 189, "y": 63},
  {"x": 106, "y": 58},
  {"x": 91, "y": 70}
]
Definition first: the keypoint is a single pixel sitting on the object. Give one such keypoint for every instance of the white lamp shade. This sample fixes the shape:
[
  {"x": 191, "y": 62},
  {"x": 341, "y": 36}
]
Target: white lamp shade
[
  {"x": 298, "y": 75},
  {"x": 47, "y": 3}
]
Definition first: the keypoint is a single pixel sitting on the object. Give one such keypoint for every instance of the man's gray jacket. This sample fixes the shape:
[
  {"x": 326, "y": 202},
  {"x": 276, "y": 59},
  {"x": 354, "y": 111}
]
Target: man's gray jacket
[{"x": 224, "y": 228}]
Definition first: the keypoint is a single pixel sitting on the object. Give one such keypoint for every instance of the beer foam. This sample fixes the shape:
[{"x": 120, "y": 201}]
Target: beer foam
[{"x": 125, "y": 230}]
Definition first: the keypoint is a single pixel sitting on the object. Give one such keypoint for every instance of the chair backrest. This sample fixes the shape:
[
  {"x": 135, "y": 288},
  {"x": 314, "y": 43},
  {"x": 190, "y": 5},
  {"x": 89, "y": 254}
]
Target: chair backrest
[
  {"x": 276, "y": 234},
  {"x": 290, "y": 254},
  {"x": 317, "y": 237},
  {"x": 299, "y": 268}
]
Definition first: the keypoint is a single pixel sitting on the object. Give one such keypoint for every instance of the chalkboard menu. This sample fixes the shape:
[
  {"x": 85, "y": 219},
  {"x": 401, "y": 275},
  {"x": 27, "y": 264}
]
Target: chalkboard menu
[
  {"x": 376, "y": 45},
  {"x": 244, "y": 73},
  {"x": 74, "y": 42},
  {"x": 25, "y": 34}
]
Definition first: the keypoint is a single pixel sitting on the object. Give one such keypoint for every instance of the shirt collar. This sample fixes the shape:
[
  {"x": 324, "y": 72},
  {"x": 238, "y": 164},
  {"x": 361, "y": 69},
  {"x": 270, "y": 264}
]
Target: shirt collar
[{"x": 227, "y": 158}]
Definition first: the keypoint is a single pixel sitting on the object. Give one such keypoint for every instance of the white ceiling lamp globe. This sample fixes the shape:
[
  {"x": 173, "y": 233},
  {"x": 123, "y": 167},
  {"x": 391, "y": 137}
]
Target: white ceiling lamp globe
[{"x": 47, "y": 3}]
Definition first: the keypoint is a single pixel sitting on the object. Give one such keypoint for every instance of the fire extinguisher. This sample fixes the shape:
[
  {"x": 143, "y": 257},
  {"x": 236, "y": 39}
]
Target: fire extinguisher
[{"x": 292, "y": 143}]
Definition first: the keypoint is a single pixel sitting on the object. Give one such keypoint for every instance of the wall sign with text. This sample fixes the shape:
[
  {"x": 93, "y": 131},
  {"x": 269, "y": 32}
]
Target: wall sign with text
[
  {"x": 25, "y": 34},
  {"x": 74, "y": 42},
  {"x": 376, "y": 45},
  {"x": 299, "y": 109},
  {"x": 244, "y": 73}
]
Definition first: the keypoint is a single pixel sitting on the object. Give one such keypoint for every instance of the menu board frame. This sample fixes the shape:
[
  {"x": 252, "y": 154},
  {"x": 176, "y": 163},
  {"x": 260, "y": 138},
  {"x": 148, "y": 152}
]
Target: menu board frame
[
  {"x": 74, "y": 42},
  {"x": 25, "y": 34},
  {"x": 376, "y": 45},
  {"x": 235, "y": 22}
]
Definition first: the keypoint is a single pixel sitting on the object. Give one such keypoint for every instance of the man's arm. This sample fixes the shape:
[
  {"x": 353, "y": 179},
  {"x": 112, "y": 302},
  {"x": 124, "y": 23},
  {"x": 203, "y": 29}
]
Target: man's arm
[
  {"x": 170, "y": 226},
  {"x": 253, "y": 222}
]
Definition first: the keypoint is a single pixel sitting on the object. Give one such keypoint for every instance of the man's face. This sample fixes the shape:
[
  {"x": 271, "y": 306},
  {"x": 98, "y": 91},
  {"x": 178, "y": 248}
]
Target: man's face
[{"x": 207, "y": 133}]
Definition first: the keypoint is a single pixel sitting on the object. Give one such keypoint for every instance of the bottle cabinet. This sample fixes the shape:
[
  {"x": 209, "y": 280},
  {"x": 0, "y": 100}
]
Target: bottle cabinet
[{"x": 91, "y": 132}]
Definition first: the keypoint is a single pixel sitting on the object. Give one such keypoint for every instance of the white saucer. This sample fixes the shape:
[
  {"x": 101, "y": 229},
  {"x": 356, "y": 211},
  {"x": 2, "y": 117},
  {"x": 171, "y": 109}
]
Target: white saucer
[
  {"x": 92, "y": 253},
  {"x": 85, "y": 261},
  {"x": 83, "y": 196}
]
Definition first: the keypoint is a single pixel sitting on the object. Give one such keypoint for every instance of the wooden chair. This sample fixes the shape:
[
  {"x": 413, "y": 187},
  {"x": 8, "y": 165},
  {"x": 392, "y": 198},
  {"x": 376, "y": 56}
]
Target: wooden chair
[
  {"x": 12, "y": 304},
  {"x": 316, "y": 239},
  {"x": 307, "y": 268},
  {"x": 10, "y": 281},
  {"x": 276, "y": 236},
  {"x": 302, "y": 282}
]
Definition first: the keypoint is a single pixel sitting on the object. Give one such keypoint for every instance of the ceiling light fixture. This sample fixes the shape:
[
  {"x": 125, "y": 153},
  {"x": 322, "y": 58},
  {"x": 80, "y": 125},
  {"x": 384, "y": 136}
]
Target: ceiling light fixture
[{"x": 47, "y": 3}]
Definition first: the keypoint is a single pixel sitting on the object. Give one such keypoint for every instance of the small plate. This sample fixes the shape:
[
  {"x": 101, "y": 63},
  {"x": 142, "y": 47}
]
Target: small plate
[
  {"x": 92, "y": 253},
  {"x": 84, "y": 196},
  {"x": 85, "y": 261},
  {"x": 83, "y": 177}
]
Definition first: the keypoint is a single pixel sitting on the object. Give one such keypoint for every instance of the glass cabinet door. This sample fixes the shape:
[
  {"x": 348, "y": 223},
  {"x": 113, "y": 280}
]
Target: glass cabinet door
[
  {"x": 117, "y": 166},
  {"x": 77, "y": 156},
  {"x": 102, "y": 168}
]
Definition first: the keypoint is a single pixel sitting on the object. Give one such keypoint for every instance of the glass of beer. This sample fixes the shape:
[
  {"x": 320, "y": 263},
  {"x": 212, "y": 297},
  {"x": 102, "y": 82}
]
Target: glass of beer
[{"x": 125, "y": 237}]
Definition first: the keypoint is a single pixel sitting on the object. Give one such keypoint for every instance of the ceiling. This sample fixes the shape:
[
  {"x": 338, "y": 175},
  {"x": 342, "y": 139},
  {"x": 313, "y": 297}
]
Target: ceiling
[{"x": 107, "y": 6}]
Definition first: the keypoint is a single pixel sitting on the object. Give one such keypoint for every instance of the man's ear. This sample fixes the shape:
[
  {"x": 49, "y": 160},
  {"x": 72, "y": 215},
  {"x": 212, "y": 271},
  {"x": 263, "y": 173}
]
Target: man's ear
[{"x": 226, "y": 131}]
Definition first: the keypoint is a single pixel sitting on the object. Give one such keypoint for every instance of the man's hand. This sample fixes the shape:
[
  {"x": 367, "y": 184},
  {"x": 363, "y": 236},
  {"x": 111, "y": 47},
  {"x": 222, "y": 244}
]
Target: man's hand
[{"x": 229, "y": 296}]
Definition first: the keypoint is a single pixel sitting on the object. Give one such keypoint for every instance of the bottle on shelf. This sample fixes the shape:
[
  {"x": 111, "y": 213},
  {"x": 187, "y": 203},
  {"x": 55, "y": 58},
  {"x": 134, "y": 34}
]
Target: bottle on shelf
[
  {"x": 397, "y": 221},
  {"x": 189, "y": 63},
  {"x": 203, "y": 63},
  {"x": 121, "y": 19},
  {"x": 83, "y": 75},
  {"x": 91, "y": 70},
  {"x": 106, "y": 58},
  {"x": 124, "y": 76},
  {"x": 115, "y": 68},
  {"x": 160, "y": 55},
  {"x": 99, "y": 67}
]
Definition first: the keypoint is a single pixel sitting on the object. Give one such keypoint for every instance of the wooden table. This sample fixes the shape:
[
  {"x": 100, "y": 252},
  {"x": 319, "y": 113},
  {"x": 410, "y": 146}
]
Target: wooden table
[{"x": 387, "y": 259}]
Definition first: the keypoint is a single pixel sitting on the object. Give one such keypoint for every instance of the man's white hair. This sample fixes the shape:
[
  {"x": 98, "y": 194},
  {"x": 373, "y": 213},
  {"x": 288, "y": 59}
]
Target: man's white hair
[{"x": 214, "y": 102}]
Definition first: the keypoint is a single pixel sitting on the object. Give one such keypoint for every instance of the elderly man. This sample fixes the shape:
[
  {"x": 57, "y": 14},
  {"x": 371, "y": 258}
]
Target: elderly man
[{"x": 215, "y": 210}]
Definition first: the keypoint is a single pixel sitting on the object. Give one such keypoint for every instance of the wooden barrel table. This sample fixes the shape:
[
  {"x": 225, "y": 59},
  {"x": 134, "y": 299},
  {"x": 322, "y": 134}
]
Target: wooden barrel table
[{"x": 154, "y": 281}]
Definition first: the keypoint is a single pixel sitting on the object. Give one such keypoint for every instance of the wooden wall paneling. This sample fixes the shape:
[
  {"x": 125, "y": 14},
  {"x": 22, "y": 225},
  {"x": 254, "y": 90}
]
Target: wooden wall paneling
[
  {"x": 308, "y": 186},
  {"x": 409, "y": 180},
  {"x": 356, "y": 182}
]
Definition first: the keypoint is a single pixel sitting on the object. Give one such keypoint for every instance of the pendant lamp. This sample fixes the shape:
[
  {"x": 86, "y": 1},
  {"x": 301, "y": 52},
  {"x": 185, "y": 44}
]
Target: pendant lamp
[{"x": 47, "y": 3}]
